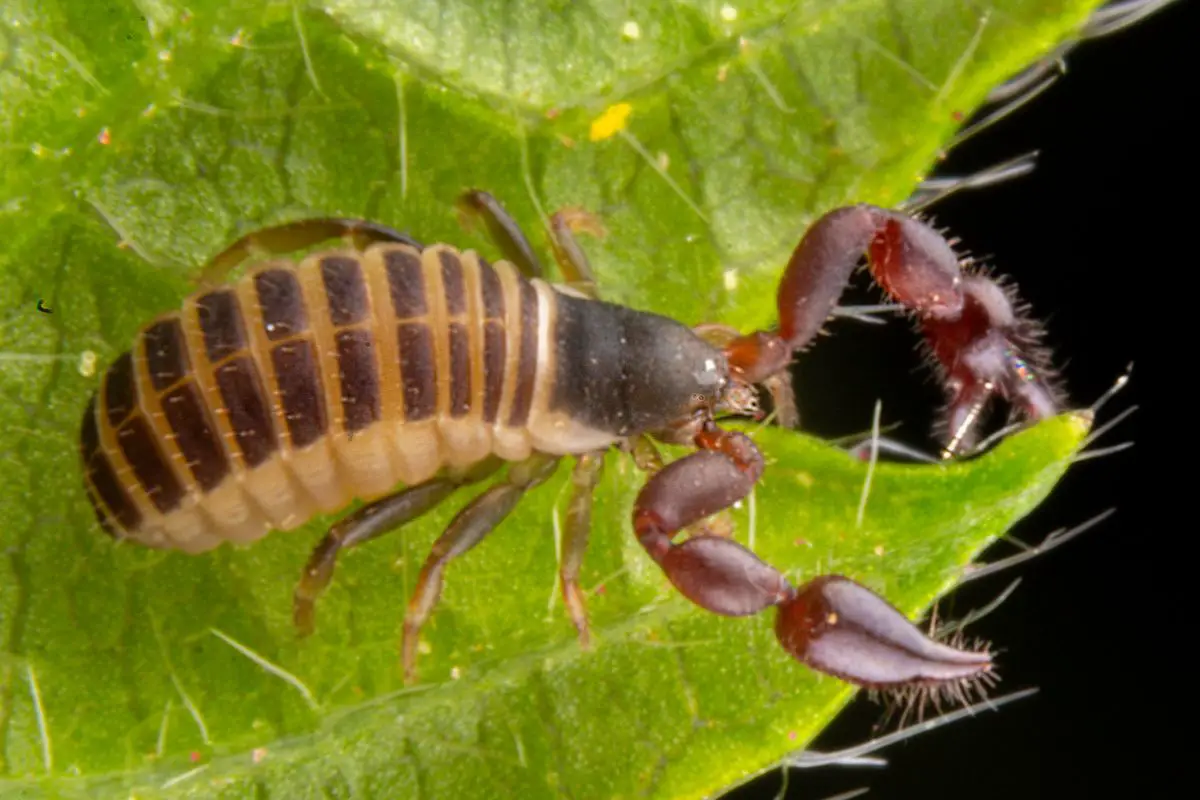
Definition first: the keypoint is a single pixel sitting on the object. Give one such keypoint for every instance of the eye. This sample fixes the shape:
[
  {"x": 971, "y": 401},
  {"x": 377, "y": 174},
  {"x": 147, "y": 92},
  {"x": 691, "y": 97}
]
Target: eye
[{"x": 711, "y": 378}]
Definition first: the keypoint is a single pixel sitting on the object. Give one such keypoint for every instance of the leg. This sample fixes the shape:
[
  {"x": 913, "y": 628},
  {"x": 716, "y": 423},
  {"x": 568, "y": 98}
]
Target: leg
[
  {"x": 515, "y": 246},
  {"x": 645, "y": 455},
  {"x": 503, "y": 229},
  {"x": 977, "y": 331},
  {"x": 466, "y": 530},
  {"x": 369, "y": 522},
  {"x": 831, "y": 624},
  {"x": 572, "y": 261},
  {"x": 299, "y": 235},
  {"x": 783, "y": 399},
  {"x": 584, "y": 479}
]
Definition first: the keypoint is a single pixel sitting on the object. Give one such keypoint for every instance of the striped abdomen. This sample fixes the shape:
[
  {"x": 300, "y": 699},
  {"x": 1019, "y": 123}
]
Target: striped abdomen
[{"x": 301, "y": 387}]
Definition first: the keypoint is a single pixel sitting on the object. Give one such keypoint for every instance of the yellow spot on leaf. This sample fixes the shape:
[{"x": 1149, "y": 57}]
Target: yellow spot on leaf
[
  {"x": 611, "y": 122},
  {"x": 87, "y": 363}
]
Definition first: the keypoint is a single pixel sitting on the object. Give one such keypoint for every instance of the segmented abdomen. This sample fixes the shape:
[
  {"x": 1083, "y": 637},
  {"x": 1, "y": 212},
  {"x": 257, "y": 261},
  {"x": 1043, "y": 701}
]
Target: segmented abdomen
[{"x": 301, "y": 387}]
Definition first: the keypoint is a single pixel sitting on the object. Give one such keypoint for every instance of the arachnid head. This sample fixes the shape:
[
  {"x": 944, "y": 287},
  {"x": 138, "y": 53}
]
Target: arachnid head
[
  {"x": 626, "y": 372},
  {"x": 752, "y": 362},
  {"x": 680, "y": 378},
  {"x": 722, "y": 388}
]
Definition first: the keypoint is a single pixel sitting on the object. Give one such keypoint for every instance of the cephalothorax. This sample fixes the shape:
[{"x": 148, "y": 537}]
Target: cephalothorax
[{"x": 302, "y": 387}]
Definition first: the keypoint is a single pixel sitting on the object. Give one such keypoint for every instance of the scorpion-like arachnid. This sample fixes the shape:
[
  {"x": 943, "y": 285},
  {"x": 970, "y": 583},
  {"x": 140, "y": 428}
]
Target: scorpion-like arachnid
[{"x": 390, "y": 363}]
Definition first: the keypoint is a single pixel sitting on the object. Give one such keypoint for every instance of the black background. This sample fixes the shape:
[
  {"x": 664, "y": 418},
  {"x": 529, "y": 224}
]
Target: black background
[{"x": 1098, "y": 241}]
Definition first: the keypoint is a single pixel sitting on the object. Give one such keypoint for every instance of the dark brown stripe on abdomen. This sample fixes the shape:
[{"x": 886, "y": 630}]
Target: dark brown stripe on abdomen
[
  {"x": 119, "y": 504},
  {"x": 417, "y": 371},
  {"x": 281, "y": 303},
  {"x": 153, "y": 473},
  {"x": 344, "y": 286},
  {"x": 120, "y": 395},
  {"x": 105, "y": 493},
  {"x": 300, "y": 391},
  {"x": 166, "y": 353},
  {"x": 460, "y": 370},
  {"x": 406, "y": 283},
  {"x": 359, "y": 377},
  {"x": 527, "y": 362},
  {"x": 99, "y": 509},
  {"x": 194, "y": 434},
  {"x": 242, "y": 392},
  {"x": 492, "y": 290},
  {"x": 221, "y": 322},
  {"x": 494, "y": 346},
  {"x": 453, "y": 283}
]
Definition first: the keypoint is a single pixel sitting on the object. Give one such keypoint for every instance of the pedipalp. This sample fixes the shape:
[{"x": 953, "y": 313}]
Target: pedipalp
[
  {"x": 983, "y": 342},
  {"x": 832, "y": 623}
]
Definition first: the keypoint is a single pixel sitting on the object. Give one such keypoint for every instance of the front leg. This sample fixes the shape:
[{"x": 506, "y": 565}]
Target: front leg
[
  {"x": 584, "y": 479},
  {"x": 832, "y": 624}
]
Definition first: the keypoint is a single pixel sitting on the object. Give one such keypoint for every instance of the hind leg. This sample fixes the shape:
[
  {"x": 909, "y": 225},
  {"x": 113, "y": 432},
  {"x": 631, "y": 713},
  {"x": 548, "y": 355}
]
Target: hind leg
[
  {"x": 466, "y": 530},
  {"x": 291, "y": 237},
  {"x": 369, "y": 522}
]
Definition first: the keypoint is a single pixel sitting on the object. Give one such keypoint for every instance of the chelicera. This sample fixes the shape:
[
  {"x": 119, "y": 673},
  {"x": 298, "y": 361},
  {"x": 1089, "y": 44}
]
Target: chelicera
[{"x": 386, "y": 362}]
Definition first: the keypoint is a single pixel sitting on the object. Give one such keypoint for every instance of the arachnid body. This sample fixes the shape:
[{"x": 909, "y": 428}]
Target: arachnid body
[{"x": 299, "y": 388}]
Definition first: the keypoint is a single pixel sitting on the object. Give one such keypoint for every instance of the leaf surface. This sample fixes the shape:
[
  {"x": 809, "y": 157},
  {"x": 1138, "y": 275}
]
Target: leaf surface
[{"x": 140, "y": 138}]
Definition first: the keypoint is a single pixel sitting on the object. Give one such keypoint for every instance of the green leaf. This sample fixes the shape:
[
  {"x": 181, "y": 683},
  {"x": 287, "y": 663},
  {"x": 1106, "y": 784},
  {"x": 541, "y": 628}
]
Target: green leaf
[{"x": 141, "y": 137}]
